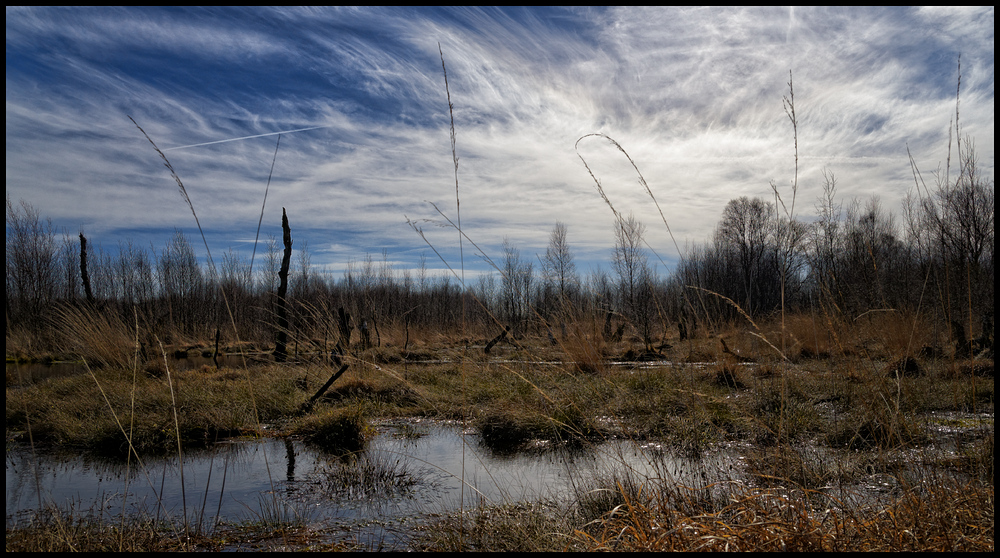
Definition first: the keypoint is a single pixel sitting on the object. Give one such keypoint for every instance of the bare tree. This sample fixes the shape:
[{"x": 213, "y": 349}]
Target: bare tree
[
  {"x": 747, "y": 228},
  {"x": 32, "y": 265},
  {"x": 634, "y": 274},
  {"x": 956, "y": 229},
  {"x": 789, "y": 257},
  {"x": 967, "y": 211},
  {"x": 181, "y": 282},
  {"x": 869, "y": 251},
  {"x": 824, "y": 236},
  {"x": 558, "y": 269},
  {"x": 515, "y": 288},
  {"x": 302, "y": 278},
  {"x": 486, "y": 291},
  {"x": 237, "y": 285},
  {"x": 601, "y": 289},
  {"x": 272, "y": 264},
  {"x": 71, "y": 263},
  {"x": 135, "y": 284}
]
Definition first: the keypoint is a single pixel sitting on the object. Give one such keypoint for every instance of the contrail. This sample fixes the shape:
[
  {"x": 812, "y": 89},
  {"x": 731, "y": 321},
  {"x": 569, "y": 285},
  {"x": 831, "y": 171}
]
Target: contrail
[{"x": 244, "y": 137}]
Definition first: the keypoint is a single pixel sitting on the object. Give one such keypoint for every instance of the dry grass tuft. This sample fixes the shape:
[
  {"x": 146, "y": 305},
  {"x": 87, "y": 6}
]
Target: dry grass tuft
[
  {"x": 58, "y": 532},
  {"x": 584, "y": 346},
  {"x": 100, "y": 338},
  {"x": 948, "y": 517},
  {"x": 337, "y": 431},
  {"x": 513, "y": 527}
]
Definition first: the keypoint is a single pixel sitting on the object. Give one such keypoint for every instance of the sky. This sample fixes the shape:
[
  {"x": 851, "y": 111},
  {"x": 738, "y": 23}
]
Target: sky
[{"x": 341, "y": 117}]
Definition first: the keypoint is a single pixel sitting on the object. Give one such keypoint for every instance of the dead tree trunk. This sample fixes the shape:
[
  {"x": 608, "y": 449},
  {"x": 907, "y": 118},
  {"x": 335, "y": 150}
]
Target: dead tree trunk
[
  {"x": 215, "y": 355},
  {"x": 308, "y": 405},
  {"x": 378, "y": 335},
  {"x": 84, "y": 274},
  {"x": 344, "y": 324},
  {"x": 496, "y": 339},
  {"x": 366, "y": 340},
  {"x": 281, "y": 345}
]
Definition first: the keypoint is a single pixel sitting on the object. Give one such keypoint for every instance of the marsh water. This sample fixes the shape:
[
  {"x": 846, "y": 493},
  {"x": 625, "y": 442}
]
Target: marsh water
[{"x": 410, "y": 470}]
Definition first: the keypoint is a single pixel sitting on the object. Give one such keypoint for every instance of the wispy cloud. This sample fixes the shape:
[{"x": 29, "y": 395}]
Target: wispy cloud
[{"x": 693, "y": 94}]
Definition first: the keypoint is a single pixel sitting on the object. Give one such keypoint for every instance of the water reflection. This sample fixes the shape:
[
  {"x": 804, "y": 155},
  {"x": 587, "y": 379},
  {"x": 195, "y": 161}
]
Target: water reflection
[{"x": 409, "y": 469}]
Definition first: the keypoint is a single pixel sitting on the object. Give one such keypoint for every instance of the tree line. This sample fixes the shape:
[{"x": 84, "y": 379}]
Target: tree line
[
  {"x": 938, "y": 258},
  {"x": 847, "y": 259}
]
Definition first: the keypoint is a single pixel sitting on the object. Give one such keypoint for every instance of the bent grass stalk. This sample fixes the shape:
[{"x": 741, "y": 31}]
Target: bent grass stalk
[
  {"x": 208, "y": 251},
  {"x": 458, "y": 216},
  {"x": 128, "y": 437},
  {"x": 264, "y": 202},
  {"x": 457, "y": 225},
  {"x": 222, "y": 291},
  {"x": 177, "y": 429}
]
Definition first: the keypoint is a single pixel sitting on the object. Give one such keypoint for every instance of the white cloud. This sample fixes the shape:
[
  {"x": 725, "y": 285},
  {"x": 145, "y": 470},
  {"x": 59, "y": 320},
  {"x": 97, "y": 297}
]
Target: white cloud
[{"x": 693, "y": 94}]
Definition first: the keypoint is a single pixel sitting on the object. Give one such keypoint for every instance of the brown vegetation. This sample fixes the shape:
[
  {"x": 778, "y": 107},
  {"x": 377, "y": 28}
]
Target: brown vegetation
[{"x": 821, "y": 353}]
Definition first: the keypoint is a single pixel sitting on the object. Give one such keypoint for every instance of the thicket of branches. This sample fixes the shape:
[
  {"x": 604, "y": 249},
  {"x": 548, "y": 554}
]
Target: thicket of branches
[
  {"x": 937, "y": 259},
  {"x": 851, "y": 257}
]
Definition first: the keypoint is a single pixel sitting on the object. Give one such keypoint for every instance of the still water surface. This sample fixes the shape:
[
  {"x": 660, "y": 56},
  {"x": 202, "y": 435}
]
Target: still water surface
[{"x": 420, "y": 466}]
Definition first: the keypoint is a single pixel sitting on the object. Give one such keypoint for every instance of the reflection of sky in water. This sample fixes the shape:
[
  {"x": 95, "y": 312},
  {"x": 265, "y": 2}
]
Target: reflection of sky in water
[{"x": 235, "y": 477}]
